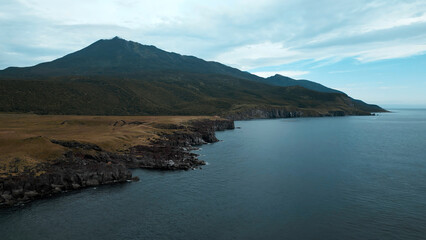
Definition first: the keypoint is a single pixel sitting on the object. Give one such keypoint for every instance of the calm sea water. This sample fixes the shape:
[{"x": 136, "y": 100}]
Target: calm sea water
[{"x": 310, "y": 178}]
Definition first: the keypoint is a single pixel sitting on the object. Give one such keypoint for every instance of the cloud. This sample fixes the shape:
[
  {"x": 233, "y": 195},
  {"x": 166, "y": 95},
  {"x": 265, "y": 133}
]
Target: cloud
[
  {"x": 292, "y": 74},
  {"x": 389, "y": 52},
  {"x": 261, "y": 54},
  {"x": 243, "y": 33}
]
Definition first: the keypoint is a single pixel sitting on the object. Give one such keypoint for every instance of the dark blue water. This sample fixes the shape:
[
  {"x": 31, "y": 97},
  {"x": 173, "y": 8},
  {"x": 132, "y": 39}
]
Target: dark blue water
[{"x": 311, "y": 178}]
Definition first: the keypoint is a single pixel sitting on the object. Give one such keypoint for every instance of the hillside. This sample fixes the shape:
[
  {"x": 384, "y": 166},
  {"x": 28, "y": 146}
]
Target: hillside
[
  {"x": 119, "y": 77},
  {"x": 283, "y": 81}
]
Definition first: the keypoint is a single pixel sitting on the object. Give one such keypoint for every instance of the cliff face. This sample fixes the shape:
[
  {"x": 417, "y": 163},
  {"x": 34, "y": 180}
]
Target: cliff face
[
  {"x": 69, "y": 173},
  {"x": 263, "y": 114},
  {"x": 75, "y": 169},
  {"x": 267, "y": 113}
]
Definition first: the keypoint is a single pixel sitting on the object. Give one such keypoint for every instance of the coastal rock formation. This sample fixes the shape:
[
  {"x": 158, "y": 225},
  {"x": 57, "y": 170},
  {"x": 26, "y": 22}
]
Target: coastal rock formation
[
  {"x": 268, "y": 113},
  {"x": 69, "y": 173},
  {"x": 172, "y": 151},
  {"x": 79, "y": 169},
  {"x": 263, "y": 114}
]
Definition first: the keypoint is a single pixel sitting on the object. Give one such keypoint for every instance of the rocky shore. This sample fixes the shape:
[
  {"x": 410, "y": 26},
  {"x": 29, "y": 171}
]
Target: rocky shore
[{"x": 92, "y": 167}]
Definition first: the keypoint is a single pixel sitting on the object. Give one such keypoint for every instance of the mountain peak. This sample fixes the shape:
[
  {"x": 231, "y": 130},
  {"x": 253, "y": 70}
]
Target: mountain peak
[{"x": 116, "y": 39}]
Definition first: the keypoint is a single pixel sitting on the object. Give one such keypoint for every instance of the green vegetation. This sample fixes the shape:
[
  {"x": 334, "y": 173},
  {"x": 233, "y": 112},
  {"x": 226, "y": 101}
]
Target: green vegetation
[{"x": 158, "y": 94}]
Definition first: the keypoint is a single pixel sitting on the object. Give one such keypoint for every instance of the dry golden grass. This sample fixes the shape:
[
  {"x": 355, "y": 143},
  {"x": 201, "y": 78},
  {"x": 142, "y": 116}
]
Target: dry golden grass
[{"x": 25, "y": 138}]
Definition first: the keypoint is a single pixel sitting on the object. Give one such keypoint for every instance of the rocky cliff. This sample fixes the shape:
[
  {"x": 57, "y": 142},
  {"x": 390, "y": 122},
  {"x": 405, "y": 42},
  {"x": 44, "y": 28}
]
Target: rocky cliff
[
  {"x": 87, "y": 165},
  {"x": 267, "y": 113}
]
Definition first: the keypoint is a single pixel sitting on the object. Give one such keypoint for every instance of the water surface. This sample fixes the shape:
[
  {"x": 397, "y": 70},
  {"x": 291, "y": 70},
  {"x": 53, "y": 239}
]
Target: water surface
[{"x": 306, "y": 178}]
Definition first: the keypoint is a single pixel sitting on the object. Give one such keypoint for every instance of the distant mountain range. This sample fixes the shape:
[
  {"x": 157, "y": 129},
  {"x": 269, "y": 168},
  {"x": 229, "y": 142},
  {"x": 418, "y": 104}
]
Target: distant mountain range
[{"x": 119, "y": 77}]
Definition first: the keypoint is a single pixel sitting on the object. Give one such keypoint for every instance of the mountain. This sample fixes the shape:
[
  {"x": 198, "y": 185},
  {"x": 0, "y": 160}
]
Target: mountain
[
  {"x": 118, "y": 57},
  {"x": 119, "y": 77}
]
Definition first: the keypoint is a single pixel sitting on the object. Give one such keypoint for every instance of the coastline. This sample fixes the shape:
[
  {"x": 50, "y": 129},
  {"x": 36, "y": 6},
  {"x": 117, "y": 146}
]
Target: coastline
[{"x": 88, "y": 165}]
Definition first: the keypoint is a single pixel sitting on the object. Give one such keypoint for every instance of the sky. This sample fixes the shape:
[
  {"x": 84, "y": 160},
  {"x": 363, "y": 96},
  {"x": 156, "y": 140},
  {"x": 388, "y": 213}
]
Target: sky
[{"x": 373, "y": 50}]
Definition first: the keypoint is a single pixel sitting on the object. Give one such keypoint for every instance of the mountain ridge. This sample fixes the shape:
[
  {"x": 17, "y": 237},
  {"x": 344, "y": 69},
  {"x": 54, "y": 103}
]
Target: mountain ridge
[{"x": 116, "y": 76}]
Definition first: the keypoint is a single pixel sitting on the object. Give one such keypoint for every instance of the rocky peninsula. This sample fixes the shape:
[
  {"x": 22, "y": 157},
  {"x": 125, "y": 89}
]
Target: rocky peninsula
[{"x": 157, "y": 144}]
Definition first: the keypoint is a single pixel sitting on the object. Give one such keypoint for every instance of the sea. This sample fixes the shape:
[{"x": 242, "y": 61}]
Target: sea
[{"x": 355, "y": 177}]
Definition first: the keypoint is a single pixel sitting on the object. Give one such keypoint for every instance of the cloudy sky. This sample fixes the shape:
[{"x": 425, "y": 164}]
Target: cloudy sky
[{"x": 374, "y": 50}]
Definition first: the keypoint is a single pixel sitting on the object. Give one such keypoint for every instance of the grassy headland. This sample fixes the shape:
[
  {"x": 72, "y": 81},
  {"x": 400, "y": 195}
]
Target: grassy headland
[{"x": 25, "y": 139}]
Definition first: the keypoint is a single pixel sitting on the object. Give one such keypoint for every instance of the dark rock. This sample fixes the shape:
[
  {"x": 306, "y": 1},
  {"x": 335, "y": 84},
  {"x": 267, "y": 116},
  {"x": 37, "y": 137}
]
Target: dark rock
[
  {"x": 135, "y": 179},
  {"x": 6, "y": 196},
  {"x": 337, "y": 113},
  {"x": 31, "y": 194},
  {"x": 17, "y": 193},
  {"x": 119, "y": 123},
  {"x": 92, "y": 182},
  {"x": 168, "y": 126},
  {"x": 75, "y": 144},
  {"x": 136, "y": 123}
]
